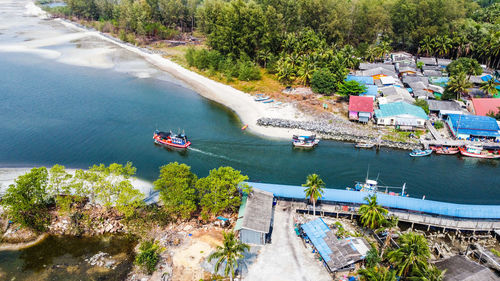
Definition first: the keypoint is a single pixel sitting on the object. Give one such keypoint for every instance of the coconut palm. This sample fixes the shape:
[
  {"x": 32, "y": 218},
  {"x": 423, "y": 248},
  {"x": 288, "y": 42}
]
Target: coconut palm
[
  {"x": 371, "y": 53},
  {"x": 442, "y": 45},
  {"x": 489, "y": 87},
  {"x": 388, "y": 225},
  {"x": 231, "y": 250},
  {"x": 459, "y": 84},
  {"x": 427, "y": 46},
  {"x": 372, "y": 214},
  {"x": 430, "y": 273},
  {"x": 385, "y": 48},
  {"x": 377, "y": 273},
  {"x": 412, "y": 254},
  {"x": 314, "y": 189},
  {"x": 306, "y": 69}
]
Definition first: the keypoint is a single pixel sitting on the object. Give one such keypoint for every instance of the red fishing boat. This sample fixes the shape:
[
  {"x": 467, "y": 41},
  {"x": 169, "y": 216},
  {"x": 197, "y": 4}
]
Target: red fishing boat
[
  {"x": 170, "y": 139},
  {"x": 479, "y": 152},
  {"x": 445, "y": 150}
]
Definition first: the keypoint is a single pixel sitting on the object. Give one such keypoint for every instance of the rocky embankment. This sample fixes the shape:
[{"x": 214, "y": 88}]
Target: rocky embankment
[{"x": 337, "y": 129}]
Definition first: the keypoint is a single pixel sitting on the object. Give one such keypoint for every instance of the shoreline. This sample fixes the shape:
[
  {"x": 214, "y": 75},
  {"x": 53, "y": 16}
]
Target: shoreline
[{"x": 242, "y": 104}]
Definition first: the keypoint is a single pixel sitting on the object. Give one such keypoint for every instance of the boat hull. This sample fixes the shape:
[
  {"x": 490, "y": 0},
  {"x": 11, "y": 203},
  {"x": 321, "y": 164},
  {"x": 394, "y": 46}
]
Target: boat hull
[
  {"x": 464, "y": 152},
  {"x": 421, "y": 153},
  {"x": 171, "y": 144}
]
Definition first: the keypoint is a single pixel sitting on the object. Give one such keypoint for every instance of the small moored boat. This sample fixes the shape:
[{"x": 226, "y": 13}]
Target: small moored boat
[
  {"x": 260, "y": 98},
  {"x": 420, "y": 153},
  {"x": 305, "y": 141},
  {"x": 364, "y": 145},
  {"x": 479, "y": 152},
  {"x": 170, "y": 139},
  {"x": 244, "y": 127},
  {"x": 446, "y": 150}
]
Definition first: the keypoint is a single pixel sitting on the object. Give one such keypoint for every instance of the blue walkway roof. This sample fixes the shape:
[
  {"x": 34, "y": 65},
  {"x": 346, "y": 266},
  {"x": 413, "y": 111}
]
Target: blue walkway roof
[
  {"x": 316, "y": 231},
  {"x": 389, "y": 201},
  {"x": 367, "y": 80},
  {"x": 474, "y": 125}
]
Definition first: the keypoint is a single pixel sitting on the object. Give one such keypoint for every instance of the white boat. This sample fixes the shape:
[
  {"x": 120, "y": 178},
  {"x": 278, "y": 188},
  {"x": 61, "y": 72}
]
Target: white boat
[
  {"x": 372, "y": 186},
  {"x": 479, "y": 152},
  {"x": 364, "y": 145},
  {"x": 305, "y": 141}
]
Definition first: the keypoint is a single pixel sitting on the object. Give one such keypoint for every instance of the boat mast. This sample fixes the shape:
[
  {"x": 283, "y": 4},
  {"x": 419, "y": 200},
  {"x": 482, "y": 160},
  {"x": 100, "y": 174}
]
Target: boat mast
[{"x": 403, "y": 190}]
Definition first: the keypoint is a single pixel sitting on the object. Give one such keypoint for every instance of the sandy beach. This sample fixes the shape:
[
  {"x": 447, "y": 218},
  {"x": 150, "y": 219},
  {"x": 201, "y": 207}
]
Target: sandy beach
[{"x": 243, "y": 104}]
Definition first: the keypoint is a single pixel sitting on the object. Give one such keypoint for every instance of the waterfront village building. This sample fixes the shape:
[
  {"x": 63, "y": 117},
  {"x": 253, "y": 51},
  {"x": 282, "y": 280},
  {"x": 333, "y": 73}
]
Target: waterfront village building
[
  {"x": 402, "y": 115},
  {"x": 460, "y": 268},
  {"x": 473, "y": 127},
  {"x": 484, "y": 106},
  {"x": 395, "y": 94},
  {"x": 442, "y": 108},
  {"x": 371, "y": 88},
  {"x": 336, "y": 254},
  {"x": 360, "y": 108},
  {"x": 255, "y": 217}
]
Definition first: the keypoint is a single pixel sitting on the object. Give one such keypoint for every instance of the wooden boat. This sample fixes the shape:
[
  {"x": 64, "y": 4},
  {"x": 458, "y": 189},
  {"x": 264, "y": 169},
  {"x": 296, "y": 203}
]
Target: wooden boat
[
  {"x": 446, "y": 150},
  {"x": 420, "y": 153},
  {"x": 268, "y": 101},
  {"x": 479, "y": 152},
  {"x": 305, "y": 141},
  {"x": 261, "y": 98},
  {"x": 170, "y": 139},
  {"x": 364, "y": 145},
  {"x": 244, "y": 127}
]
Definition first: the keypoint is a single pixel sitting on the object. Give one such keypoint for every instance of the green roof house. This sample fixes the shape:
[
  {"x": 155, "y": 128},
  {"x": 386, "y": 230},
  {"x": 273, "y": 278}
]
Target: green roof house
[{"x": 402, "y": 115}]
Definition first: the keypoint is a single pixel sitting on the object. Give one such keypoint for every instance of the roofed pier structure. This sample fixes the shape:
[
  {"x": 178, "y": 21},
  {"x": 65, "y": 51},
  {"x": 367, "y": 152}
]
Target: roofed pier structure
[{"x": 448, "y": 216}]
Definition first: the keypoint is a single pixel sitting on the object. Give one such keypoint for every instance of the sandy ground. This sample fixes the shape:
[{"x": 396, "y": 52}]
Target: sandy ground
[
  {"x": 241, "y": 103},
  {"x": 286, "y": 258}
]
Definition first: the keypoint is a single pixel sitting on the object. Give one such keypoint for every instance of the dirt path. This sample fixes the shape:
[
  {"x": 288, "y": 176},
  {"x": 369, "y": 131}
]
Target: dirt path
[{"x": 286, "y": 258}]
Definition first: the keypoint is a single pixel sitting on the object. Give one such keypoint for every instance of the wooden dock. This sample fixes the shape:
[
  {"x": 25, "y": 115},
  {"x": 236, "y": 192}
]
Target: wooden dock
[{"x": 441, "y": 222}]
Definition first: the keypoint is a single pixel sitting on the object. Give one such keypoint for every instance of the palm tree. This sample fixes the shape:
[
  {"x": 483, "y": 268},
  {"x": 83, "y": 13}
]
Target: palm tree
[
  {"x": 442, "y": 45},
  {"x": 430, "y": 273},
  {"x": 427, "y": 46},
  {"x": 228, "y": 253},
  {"x": 372, "y": 214},
  {"x": 377, "y": 273},
  {"x": 388, "y": 225},
  {"x": 459, "y": 84},
  {"x": 306, "y": 69},
  {"x": 413, "y": 254},
  {"x": 489, "y": 87},
  {"x": 314, "y": 189},
  {"x": 371, "y": 53},
  {"x": 385, "y": 48}
]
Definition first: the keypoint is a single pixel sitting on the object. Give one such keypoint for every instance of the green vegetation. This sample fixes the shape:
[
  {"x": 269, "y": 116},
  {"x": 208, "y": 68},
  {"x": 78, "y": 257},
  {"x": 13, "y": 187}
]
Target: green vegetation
[
  {"x": 228, "y": 254},
  {"x": 26, "y": 201},
  {"x": 438, "y": 124},
  {"x": 457, "y": 86},
  {"x": 412, "y": 254},
  {"x": 176, "y": 186},
  {"x": 377, "y": 273},
  {"x": 148, "y": 256},
  {"x": 494, "y": 115},
  {"x": 314, "y": 189},
  {"x": 372, "y": 214},
  {"x": 347, "y": 88},
  {"x": 495, "y": 252},
  {"x": 467, "y": 65},
  {"x": 423, "y": 104},
  {"x": 323, "y": 82},
  {"x": 490, "y": 87}
]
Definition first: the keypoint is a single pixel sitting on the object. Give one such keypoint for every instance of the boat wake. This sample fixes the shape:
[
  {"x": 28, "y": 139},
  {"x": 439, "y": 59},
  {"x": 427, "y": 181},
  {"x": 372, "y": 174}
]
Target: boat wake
[{"x": 213, "y": 154}]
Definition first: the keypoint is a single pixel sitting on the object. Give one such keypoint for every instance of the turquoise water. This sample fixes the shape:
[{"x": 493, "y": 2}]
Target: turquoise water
[{"x": 55, "y": 113}]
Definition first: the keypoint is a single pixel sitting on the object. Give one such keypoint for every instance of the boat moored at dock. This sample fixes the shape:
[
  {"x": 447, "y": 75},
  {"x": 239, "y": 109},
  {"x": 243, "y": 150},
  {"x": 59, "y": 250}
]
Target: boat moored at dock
[
  {"x": 479, "y": 152},
  {"x": 364, "y": 145},
  {"x": 420, "y": 153},
  {"x": 305, "y": 141},
  {"x": 170, "y": 139}
]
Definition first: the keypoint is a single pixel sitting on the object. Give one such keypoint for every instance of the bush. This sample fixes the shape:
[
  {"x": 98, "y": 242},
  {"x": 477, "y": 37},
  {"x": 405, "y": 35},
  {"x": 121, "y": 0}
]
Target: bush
[
  {"x": 438, "y": 125},
  {"x": 248, "y": 72},
  {"x": 323, "y": 82},
  {"x": 149, "y": 254},
  {"x": 423, "y": 104},
  {"x": 190, "y": 56},
  {"x": 347, "y": 88}
]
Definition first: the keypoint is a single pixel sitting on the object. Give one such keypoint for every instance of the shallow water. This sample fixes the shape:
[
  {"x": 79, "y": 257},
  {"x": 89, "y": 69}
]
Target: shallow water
[
  {"x": 77, "y": 111},
  {"x": 63, "y": 258}
]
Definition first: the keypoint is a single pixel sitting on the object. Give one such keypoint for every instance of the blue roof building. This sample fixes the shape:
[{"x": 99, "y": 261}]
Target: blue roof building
[
  {"x": 400, "y": 114},
  {"x": 473, "y": 126},
  {"x": 367, "y": 80},
  {"x": 371, "y": 91},
  {"x": 488, "y": 77}
]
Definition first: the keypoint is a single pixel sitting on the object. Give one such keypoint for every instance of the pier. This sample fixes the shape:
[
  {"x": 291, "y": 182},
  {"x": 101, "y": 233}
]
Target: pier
[{"x": 428, "y": 213}]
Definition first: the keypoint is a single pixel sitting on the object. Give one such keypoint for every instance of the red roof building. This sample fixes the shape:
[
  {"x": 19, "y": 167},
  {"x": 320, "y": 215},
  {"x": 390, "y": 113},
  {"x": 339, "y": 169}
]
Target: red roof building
[
  {"x": 360, "y": 108},
  {"x": 485, "y": 105}
]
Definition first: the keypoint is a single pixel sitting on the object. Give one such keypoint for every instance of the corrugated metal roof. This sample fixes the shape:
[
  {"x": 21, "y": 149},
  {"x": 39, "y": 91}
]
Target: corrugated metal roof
[
  {"x": 398, "y": 202},
  {"x": 360, "y": 104},
  {"x": 400, "y": 108},
  {"x": 484, "y": 105},
  {"x": 474, "y": 125},
  {"x": 257, "y": 211},
  {"x": 367, "y": 80}
]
